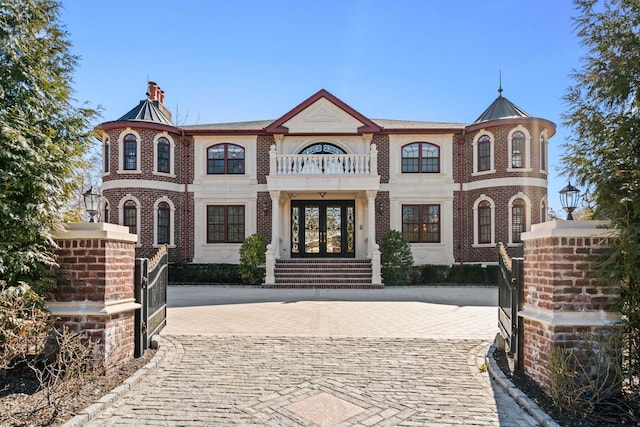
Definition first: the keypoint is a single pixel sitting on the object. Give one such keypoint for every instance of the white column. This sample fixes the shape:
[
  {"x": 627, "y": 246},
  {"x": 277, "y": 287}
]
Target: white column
[
  {"x": 275, "y": 222},
  {"x": 373, "y": 248},
  {"x": 371, "y": 219},
  {"x": 373, "y": 167},
  {"x": 272, "y": 161}
]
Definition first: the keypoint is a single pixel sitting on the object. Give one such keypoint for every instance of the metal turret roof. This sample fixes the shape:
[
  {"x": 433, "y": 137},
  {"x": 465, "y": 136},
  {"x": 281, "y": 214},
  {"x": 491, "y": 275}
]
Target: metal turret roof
[
  {"x": 146, "y": 111},
  {"x": 501, "y": 108}
]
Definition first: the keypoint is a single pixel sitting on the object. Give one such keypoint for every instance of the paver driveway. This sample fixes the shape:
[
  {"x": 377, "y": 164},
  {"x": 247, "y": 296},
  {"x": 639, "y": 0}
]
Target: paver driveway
[{"x": 257, "y": 357}]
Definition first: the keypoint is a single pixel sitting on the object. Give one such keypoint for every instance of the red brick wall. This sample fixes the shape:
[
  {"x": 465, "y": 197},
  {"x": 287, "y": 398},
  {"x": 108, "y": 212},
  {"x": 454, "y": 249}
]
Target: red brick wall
[
  {"x": 264, "y": 218},
  {"x": 558, "y": 279},
  {"x": 264, "y": 143},
  {"x": 98, "y": 271},
  {"x": 382, "y": 145},
  {"x": 94, "y": 270},
  {"x": 183, "y": 214},
  {"x": 383, "y": 223},
  {"x": 463, "y": 220}
]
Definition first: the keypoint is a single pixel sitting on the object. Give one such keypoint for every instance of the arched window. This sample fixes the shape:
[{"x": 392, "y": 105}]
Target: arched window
[
  {"x": 543, "y": 211},
  {"x": 484, "y": 222},
  {"x": 543, "y": 153},
  {"x": 163, "y": 223},
  {"x": 130, "y": 152},
  {"x": 518, "y": 154},
  {"x": 163, "y": 155},
  {"x": 130, "y": 216},
  {"x": 106, "y": 154},
  {"x": 421, "y": 157},
  {"x": 484, "y": 153},
  {"x": 323, "y": 148},
  {"x": 105, "y": 211},
  {"x": 518, "y": 220},
  {"x": 225, "y": 159}
]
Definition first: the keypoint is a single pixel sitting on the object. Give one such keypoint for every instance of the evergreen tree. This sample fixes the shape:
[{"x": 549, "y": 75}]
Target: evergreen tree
[
  {"x": 603, "y": 153},
  {"x": 43, "y": 136}
]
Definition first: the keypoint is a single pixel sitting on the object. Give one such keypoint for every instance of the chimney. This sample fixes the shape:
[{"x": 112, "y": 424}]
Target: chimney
[
  {"x": 152, "y": 91},
  {"x": 156, "y": 95}
]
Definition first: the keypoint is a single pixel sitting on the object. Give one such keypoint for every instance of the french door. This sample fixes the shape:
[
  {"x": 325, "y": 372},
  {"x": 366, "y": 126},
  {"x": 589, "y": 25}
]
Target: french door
[{"x": 323, "y": 228}]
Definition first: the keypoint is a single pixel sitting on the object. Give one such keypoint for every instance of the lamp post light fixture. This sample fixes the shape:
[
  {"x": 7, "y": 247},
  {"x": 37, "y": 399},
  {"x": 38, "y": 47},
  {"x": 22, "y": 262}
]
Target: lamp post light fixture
[
  {"x": 91, "y": 203},
  {"x": 569, "y": 197}
]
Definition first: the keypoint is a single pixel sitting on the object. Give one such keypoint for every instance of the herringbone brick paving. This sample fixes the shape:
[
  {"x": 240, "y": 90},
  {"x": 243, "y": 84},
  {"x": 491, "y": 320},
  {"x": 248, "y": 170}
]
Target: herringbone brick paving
[{"x": 341, "y": 353}]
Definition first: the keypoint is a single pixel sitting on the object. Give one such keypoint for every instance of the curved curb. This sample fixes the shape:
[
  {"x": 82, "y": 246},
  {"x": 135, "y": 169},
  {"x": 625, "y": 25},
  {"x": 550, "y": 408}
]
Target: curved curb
[
  {"x": 523, "y": 400},
  {"x": 93, "y": 410}
]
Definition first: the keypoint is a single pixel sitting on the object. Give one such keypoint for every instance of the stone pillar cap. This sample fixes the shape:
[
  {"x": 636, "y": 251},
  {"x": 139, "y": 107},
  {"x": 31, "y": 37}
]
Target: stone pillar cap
[
  {"x": 577, "y": 228},
  {"x": 95, "y": 231}
]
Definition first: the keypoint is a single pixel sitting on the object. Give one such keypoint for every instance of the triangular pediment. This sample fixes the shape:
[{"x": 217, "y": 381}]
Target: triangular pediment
[{"x": 323, "y": 113}]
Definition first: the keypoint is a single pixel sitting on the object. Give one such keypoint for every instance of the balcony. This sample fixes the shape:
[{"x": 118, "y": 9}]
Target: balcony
[
  {"x": 323, "y": 172},
  {"x": 324, "y": 164}
]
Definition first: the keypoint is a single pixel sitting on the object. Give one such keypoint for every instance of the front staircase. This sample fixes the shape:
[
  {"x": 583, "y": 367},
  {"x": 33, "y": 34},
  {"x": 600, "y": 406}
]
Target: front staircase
[{"x": 323, "y": 273}]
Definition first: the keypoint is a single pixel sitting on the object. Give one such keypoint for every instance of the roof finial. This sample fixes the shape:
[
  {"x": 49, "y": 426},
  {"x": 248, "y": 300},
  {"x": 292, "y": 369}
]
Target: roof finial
[{"x": 500, "y": 88}]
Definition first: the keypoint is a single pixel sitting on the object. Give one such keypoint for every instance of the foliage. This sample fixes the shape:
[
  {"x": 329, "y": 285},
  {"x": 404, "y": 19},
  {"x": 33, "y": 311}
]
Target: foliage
[
  {"x": 60, "y": 360},
  {"x": 252, "y": 259},
  {"x": 24, "y": 324},
  {"x": 582, "y": 381},
  {"x": 458, "y": 273},
  {"x": 204, "y": 273},
  {"x": 396, "y": 258},
  {"x": 42, "y": 136},
  {"x": 602, "y": 153}
]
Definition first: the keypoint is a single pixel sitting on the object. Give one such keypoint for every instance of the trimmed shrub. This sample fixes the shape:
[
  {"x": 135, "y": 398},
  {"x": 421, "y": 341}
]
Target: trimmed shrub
[
  {"x": 467, "y": 273},
  {"x": 433, "y": 273},
  {"x": 252, "y": 259},
  {"x": 396, "y": 258},
  {"x": 204, "y": 273},
  {"x": 456, "y": 274}
]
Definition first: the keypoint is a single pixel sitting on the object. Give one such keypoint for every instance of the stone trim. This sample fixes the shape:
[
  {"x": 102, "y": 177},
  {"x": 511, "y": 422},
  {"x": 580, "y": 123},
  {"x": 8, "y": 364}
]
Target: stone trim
[
  {"x": 92, "y": 308},
  {"x": 570, "y": 318},
  {"x": 561, "y": 228},
  {"x": 95, "y": 231}
]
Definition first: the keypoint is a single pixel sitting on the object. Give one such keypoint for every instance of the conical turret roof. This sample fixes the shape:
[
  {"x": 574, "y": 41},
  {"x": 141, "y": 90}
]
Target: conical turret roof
[
  {"x": 146, "y": 111},
  {"x": 501, "y": 108}
]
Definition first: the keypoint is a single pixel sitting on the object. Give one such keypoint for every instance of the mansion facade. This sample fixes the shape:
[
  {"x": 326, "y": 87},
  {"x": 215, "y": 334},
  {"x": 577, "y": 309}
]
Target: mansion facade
[{"x": 324, "y": 181}]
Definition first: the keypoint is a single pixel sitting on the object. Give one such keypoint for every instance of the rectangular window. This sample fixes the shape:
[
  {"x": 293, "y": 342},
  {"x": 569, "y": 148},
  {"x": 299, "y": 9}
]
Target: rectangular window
[
  {"x": 130, "y": 219},
  {"x": 130, "y": 155},
  {"x": 225, "y": 224},
  {"x": 517, "y": 223},
  {"x": 421, "y": 223},
  {"x": 163, "y": 158},
  {"x": 163, "y": 226},
  {"x": 484, "y": 156},
  {"x": 484, "y": 224},
  {"x": 106, "y": 158}
]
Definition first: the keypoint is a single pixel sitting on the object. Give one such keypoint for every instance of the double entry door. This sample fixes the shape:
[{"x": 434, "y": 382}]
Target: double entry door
[{"x": 323, "y": 228}]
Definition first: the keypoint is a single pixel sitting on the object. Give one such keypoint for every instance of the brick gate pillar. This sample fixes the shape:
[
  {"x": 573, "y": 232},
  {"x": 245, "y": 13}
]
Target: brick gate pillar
[
  {"x": 95, "y": 291},
  {"x": 561, "y": 298}
]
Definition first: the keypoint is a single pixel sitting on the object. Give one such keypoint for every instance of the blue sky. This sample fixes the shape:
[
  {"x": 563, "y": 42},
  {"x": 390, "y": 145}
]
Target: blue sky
[{"x": 240, "y": 60}]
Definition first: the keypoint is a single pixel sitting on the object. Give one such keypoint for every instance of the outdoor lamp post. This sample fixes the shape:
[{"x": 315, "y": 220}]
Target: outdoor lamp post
[
  {"x": 569, "y": 197},
  {"x": 91, "y": 203}
]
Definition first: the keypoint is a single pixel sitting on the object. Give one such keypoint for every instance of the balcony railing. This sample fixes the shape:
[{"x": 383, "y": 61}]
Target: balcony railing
[{"x": 324, "y": 164}]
